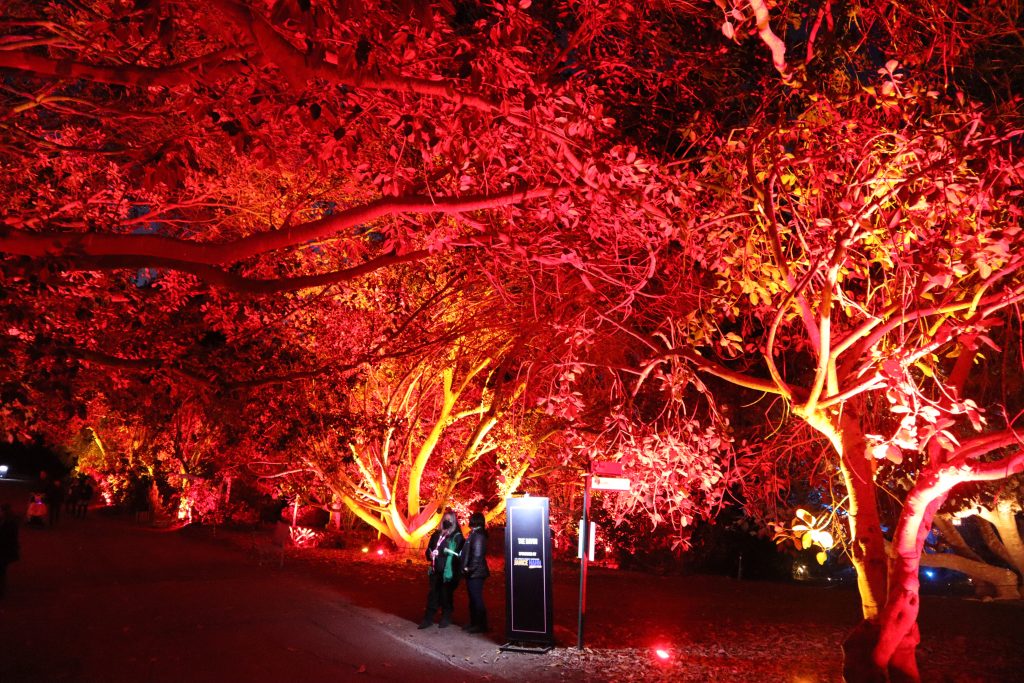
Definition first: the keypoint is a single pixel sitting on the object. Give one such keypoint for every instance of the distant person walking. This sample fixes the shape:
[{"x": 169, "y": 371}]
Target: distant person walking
[
  {"x": 474, "y": 568},
  {"x": 81, "y": 496},
  {"x": 9, "y": 548},
  {"x": 443, "y": 552},
  {"x": 140, "y": 500},
  {"x": 54, "y": 500}
]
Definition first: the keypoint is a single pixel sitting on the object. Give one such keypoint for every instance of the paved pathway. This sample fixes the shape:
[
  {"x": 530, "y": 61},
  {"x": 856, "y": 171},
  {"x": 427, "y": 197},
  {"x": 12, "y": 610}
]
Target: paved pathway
[{"x": 103, "y": 600}]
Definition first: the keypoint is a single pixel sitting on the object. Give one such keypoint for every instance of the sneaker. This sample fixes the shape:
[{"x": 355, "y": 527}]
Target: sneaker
[
  {"x": 426, "y": 623},
  {"x": 445, "y": 623}
]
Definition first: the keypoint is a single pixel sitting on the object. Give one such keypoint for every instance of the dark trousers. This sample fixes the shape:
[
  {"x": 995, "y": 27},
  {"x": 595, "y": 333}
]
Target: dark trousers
[
  {"x": 477, "y": 611},
  {"x": 441, "y": 596}
]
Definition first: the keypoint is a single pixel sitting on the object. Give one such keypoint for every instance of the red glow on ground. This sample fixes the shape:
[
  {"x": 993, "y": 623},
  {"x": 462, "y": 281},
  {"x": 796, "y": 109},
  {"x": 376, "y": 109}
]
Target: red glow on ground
[
  {"x": 380, "y": 551},
  {"x": 365, "y": 549},
  {"x": 662, "y": 654}
]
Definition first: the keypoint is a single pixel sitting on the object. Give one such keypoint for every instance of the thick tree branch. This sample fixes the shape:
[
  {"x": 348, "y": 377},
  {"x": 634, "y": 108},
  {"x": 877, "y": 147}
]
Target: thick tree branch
[
  {"x": 237, "y": 283},
  {"x": 737, "y": 378},
  {"x": 139, "y": 364},
  {"x": 993, "y": 540},
  {"x": 954, "y": 539},
  {"x": 964, "y": 467},
  {"x": 298, "y": 68},
  {"x": 873, "y": 330},
  {"x": 774, "y": 43},
  {"x": 149, "y": 248},
  {"x": 1003, "y": 581},
  {"x": 825, "y": 11},
  {"x": 120, "y": 74}
]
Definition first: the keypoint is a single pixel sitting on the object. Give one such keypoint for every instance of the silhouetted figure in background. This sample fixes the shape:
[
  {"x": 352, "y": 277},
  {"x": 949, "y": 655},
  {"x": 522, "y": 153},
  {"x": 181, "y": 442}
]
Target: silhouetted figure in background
[
  {"x": 474, "y": 568},
  {"x": 55, "y": 500},
  {"x": 443, "y": 553},
  {"x": 71, "y": 496},
  {"x": 9, "y": 548},
  {"x": 82, "y": 496},
  {"x": 140, "y": 499}
]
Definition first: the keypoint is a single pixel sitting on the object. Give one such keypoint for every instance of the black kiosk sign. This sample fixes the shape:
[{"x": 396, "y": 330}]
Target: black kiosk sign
[{"x": 529, "y": 613}]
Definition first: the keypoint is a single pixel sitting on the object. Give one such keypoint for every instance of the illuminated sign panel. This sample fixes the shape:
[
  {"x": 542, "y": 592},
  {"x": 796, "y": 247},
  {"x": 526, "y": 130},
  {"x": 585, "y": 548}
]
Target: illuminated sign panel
[{"x": 529, "y": 612}]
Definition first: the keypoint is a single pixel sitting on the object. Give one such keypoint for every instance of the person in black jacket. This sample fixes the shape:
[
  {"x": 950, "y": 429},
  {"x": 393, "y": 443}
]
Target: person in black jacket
[
  {"x": 443, "y": 553},
  {"x": 474, "y": 567}
]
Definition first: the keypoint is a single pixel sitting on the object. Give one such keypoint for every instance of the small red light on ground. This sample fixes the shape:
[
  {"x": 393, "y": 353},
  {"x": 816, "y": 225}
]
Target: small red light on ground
[
  {"x": 380, "y": 551},
  {"x": 365, "y": 549},
  {"x": 663, "y": 655}
]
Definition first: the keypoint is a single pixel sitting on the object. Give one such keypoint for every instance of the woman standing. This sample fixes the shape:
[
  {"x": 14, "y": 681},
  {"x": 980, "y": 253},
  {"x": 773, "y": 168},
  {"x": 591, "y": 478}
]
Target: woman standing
[
  {"x": 474, "y": 566},
  {"x": 443, "y": 553}
]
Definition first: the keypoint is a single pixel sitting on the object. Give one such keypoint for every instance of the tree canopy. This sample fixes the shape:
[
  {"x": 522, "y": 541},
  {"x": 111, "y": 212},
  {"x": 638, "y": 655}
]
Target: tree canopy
[{"x": 401, "y": 255}]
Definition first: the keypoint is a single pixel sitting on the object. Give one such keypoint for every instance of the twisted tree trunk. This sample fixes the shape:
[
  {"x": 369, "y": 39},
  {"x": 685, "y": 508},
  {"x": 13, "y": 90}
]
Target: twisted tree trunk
[
  {"x": 1004, "y": 520},
  {"x": 867, "y": 543}
]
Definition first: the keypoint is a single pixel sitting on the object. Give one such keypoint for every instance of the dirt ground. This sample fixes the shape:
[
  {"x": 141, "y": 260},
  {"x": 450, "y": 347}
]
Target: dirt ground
[
  {"x": 106, "y": 599},
  {"x": 715, "y": 628}
]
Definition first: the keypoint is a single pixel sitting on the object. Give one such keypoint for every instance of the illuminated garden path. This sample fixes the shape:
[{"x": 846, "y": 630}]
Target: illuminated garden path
[{"x": 103, "y": 601}]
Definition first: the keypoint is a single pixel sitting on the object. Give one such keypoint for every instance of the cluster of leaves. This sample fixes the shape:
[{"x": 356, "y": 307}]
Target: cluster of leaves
[
  {"x": 290, "y": 221},
  {"x": 807, "y": 531}
]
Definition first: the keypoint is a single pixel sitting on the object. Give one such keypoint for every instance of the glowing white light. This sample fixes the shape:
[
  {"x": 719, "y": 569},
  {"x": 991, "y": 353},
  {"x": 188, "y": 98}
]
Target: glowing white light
[{"x": 662, "y": 654}]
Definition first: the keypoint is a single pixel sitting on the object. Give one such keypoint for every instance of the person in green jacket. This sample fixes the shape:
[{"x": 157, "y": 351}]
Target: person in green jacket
[{"x": 443, "y": 552}]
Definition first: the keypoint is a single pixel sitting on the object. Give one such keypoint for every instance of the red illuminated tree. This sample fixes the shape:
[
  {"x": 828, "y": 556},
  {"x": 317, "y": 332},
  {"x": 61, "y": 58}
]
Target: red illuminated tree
[
  {"x": 192, "y": 190},
  {"x": 399, "y": 437},
  {"x": 259, "y": 206},
  {"x": 183, "y": 183},
  {"x": 875, "y": 253}
]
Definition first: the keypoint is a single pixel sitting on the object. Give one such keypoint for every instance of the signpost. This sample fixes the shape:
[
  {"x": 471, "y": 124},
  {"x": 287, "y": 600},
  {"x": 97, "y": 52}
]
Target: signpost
[
  {"x": 603, "y": 476},
  {"x": 609, "y": 483},
  {"x": 529, "y": 617}
]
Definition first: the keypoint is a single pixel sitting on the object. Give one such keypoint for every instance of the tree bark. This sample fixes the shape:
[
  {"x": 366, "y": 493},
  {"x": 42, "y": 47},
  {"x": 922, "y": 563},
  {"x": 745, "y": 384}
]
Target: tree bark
[
  {"x": 893, "y": 656},
  {"x": 121, "y": 74},
  {"x": 1004, "y": 520},
  {"x": 954, "y": 539},
  {"x": 867, "y": 542},
  {"x": 140, "y": 249},
  {"x": 865, "y": 527},
  {"x": 898, "y": 635}
]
